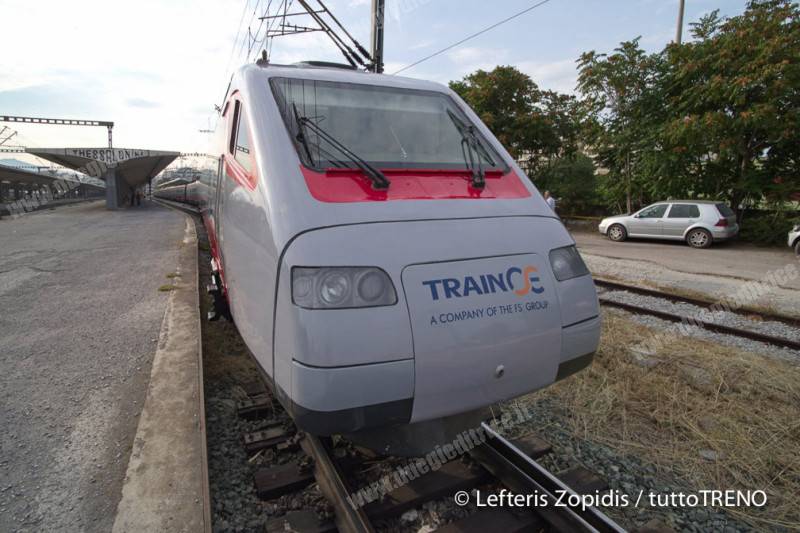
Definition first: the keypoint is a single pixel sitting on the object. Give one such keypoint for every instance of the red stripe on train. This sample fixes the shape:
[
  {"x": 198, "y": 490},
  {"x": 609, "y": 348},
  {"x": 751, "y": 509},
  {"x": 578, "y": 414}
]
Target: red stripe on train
[
  {"x": 337, "y": 185},
  {"x": 237, "y": 173}
]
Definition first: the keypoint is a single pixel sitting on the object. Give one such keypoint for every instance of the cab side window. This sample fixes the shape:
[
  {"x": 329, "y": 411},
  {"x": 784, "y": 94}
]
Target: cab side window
[
  {"x": 240, "y": 138},
  {"x": 656, "y": 211}
]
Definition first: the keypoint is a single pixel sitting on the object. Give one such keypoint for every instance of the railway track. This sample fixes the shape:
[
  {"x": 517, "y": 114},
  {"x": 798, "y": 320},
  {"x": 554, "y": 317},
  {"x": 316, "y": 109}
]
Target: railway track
[
  {"x": 498, "y": 463},
  {"x": 752, "y": 334}
]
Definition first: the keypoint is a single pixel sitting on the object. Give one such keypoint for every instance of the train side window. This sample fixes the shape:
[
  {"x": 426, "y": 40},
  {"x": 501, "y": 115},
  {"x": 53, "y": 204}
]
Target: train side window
[
  {"x": 232, "y": 142},
  {"x": 242, "y": 153}
]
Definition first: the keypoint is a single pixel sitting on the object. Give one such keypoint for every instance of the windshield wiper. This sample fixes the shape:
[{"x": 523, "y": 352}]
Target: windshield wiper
[
  {"x": 379, "y": 180},
  {"x": 473, "y": 150},
  {"x": 301, "y": 133}
]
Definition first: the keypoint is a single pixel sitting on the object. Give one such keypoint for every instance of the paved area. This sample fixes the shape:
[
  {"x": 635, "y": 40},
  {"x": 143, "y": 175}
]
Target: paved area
[
  {"x": 53, "y": 204},
  {"x": 724, "y": 271},
  {"x": 80, "y": 316},
  {"x": 166, "y": 486},
  {"x": 732, "y": 259}
]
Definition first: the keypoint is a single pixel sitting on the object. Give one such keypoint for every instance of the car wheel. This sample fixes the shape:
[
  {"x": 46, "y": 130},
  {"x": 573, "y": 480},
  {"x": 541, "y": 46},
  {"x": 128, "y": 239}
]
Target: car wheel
[
  {"x": 797, "y": 248},
  {"x": 699, "y": 238},
  {"x": 617, "y": 233}
]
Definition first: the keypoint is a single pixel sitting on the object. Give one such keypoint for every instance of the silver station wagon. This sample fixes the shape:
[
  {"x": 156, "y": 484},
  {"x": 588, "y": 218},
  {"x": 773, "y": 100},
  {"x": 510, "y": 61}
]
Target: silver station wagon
[
  {"x": 794, "y": 239},
  {"x": 697, "y": 222}
]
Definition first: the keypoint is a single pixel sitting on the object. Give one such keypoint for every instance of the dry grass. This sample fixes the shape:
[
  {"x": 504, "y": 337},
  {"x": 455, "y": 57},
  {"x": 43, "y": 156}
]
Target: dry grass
[{"x": 694, "y": 396}]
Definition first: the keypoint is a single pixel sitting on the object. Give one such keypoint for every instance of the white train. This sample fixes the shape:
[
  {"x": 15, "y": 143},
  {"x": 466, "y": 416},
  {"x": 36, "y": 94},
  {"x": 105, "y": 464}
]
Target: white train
[
  {"x": 384, "y": 258},
  {"x": 179, "y": 190}
]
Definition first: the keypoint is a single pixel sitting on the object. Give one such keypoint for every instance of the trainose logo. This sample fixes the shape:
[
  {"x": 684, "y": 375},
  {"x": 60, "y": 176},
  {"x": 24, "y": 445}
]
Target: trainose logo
[{"x": 487, "y": 284}]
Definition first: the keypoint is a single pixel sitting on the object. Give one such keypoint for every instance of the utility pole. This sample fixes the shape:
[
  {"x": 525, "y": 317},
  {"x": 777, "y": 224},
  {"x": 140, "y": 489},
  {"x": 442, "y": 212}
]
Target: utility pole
[
  {"x": 679, "y": 31},
  {"x": 378, "y": 9}
]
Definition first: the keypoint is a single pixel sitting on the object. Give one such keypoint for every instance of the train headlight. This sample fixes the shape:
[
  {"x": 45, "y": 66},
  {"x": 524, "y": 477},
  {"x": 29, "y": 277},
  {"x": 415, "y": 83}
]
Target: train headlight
[
  {"x": 567, "y": 263},
  {"x": 341, "y": 287},
  {"x": 334, "y": 289}
]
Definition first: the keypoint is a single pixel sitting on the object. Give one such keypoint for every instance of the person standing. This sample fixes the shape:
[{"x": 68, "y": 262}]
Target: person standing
[{"x": 550, "y": 200}]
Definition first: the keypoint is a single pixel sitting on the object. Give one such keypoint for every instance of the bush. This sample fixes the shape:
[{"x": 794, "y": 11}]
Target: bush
[
  {"x": 767, "y": 228},
  {"x": 573, "y": 183}
]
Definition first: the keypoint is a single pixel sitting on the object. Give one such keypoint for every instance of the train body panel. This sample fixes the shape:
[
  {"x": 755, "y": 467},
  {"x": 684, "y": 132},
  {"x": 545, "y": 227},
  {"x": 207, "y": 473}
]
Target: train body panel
[
  {"x": 493, "y": 337},
  {"x": 368, "y": 305}
]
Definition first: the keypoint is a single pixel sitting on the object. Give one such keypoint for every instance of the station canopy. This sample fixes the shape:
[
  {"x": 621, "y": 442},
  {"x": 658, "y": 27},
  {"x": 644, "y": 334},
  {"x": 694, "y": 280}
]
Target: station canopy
[{"x": 135, "y": 166}]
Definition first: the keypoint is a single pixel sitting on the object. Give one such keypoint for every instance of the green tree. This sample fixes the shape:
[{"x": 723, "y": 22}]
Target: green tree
[
  {"x": 734, "y": 99},
  {"x": 536, "y": 127},
  {"x": 573, "y": 182},
  {"x": 621, "y": 95}
]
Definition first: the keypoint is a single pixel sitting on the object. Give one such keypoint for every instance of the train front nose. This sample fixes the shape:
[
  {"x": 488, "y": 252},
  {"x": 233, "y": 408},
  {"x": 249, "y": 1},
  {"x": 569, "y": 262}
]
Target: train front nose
[
  {"x": 475, "y": 317},
  {"x": 484, "y": 330}
]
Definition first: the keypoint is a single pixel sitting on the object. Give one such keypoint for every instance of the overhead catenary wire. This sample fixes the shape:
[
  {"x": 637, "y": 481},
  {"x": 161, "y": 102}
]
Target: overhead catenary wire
[
  {"x": 278, "y": 19},
  {"x": 358, "y": 45},
  {"x": 256, "y": 41},
  {"x": 351, "y": 55},
  {"x": 472, "y": 36},
  {"x": 256, "y": 44},
  {"x": 236, "y": 39},
  {"x": 233, "y": 46},
  {"x": 249, "y": 38}
]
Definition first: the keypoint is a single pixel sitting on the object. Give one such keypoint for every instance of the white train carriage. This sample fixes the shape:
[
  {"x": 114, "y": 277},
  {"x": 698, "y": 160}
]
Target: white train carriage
[{"x": 384, "y": 258}]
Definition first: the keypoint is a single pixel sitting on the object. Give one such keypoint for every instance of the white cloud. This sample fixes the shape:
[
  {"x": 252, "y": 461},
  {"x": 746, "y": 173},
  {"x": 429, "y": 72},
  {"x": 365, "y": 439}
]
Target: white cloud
[
  {"x": 468, "y": 59},
  {"x": 558, "y": 76},
  {"x": 96, "y": 53}
]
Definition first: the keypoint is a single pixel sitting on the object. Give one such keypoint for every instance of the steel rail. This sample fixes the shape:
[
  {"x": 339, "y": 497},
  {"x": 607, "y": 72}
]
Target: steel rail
[
  {"x": 332, "y": 483},
  {"x": 710, "y": 326},
  {"x": 644, "y": 291},
  {"x": 524, "y": 475}
]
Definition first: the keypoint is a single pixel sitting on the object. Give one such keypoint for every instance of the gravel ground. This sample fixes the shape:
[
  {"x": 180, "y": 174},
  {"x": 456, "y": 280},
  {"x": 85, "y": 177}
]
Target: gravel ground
[
  {"x": 777, "y": 329},
  {"x": 626, "y": 474},
  {"x": 227, "y": 371},
  {"x": 780, "y": 300},
  {"x": 719, "y": 272},
  {"x": 81, "y": 314}
]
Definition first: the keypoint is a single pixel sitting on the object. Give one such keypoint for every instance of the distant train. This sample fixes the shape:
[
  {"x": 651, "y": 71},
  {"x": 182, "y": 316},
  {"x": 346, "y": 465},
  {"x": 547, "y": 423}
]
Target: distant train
[
  {"x": 180, "y": 190},
  {"x": 383, "y": 256}
]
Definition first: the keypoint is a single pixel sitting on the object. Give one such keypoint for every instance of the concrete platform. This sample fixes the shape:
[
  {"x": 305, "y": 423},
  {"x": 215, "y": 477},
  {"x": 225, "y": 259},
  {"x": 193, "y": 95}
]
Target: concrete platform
[{"x": 86, "y": 340}]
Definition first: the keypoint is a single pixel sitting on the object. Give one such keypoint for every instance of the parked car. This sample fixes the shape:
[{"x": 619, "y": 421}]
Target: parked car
[
  {"x": 794, "y": 239},
  {"x": 697, "y": 222}
]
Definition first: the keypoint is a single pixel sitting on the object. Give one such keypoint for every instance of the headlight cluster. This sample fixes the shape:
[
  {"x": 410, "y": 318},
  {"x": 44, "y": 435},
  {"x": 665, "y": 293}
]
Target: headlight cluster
[
  {"x": 567, "y": 263},
  {"x": 341, "y": 287}
]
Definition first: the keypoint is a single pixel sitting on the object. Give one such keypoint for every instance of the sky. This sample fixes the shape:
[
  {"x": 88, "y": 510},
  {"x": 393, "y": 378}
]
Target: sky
[{"x": 156, "y": 68}]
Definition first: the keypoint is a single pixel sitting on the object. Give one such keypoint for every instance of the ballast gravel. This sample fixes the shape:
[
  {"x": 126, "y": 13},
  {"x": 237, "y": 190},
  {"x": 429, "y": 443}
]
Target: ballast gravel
[
  {"x": 777, "y": 329},
  {"x": 625, "y": 474},
  {"x": 228, "y": 371}
]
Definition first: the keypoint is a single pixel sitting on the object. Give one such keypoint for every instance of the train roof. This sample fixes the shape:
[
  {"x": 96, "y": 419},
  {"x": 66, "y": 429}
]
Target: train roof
[{"x": 342, "y": 73}]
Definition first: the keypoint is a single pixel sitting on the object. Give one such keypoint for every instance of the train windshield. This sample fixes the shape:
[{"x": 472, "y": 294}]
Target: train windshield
[{"x": 385, "y": 126}]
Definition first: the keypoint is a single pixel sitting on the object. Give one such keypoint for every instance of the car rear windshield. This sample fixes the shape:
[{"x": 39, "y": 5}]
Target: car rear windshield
[
  {"x": 385, "y": 126},
  {"x": 725, "y": 211}
]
